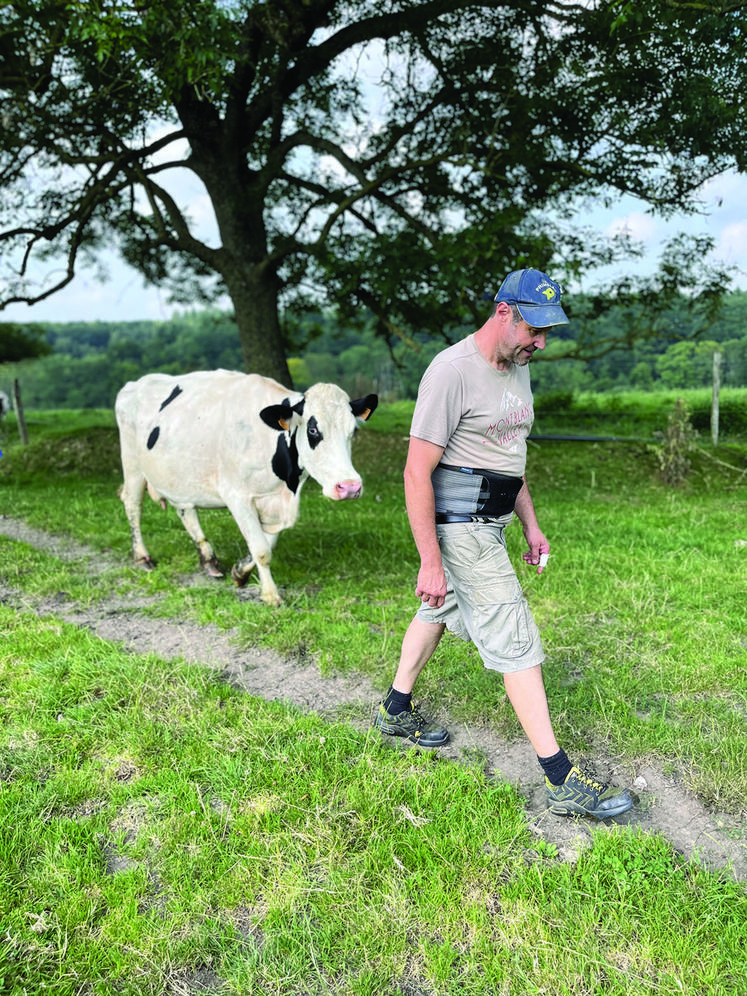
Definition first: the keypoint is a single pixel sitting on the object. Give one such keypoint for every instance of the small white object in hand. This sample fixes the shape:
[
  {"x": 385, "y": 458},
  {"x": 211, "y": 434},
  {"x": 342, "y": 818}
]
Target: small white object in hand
[{"x": 544, "y": 557}]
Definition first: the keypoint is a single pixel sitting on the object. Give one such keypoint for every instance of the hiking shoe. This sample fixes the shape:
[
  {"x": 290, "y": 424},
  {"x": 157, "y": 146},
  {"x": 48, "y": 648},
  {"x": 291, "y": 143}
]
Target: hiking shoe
[
  {"x": 581, "y": 794},
  {"x": 412, "y": 725}
]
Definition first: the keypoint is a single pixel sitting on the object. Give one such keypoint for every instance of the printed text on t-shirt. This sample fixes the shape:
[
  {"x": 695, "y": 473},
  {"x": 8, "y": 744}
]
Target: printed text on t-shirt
[{"x": 509, "y": 426}]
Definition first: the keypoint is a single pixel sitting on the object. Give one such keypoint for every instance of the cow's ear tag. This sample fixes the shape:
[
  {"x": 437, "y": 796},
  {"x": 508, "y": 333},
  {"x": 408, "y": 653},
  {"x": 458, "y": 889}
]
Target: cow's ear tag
[{"x": 284, "y": 424}]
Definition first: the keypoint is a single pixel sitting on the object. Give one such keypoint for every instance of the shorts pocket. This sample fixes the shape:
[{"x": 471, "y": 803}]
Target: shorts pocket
[{"x": 499, "y": 622}]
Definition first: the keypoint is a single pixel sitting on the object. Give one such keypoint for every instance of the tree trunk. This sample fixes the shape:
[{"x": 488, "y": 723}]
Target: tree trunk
[
  {"x": 219, "y": 159},
  {"x": 253, "y": 293},
  {"x": 715, "y": 397}
]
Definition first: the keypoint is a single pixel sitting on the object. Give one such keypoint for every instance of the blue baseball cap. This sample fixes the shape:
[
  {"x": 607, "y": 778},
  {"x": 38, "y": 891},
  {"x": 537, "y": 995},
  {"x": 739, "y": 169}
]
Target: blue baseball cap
[{"x": 536, "y": 297}]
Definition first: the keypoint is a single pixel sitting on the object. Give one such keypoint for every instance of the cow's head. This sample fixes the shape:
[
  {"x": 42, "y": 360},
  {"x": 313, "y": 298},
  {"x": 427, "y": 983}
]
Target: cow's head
[{"x": 317, "y": 432}]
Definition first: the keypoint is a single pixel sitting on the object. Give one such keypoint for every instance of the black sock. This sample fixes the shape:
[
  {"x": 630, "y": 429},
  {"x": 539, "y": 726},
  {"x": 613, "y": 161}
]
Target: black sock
[
  {"x": 556, "y": 767},
  {"x": 397, "y": 702}
]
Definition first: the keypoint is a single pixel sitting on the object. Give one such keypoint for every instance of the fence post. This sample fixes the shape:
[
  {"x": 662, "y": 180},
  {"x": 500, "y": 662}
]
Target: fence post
[
  {"x": 715, "y": 398},
  {"x": 19, "y": 413}
]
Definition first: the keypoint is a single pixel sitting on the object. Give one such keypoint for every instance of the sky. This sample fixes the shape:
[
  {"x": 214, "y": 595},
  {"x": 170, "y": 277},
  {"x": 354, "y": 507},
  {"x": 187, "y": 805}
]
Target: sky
[
  {"x": 124, "y": 296},
  {"x": 723, "y": 216}
]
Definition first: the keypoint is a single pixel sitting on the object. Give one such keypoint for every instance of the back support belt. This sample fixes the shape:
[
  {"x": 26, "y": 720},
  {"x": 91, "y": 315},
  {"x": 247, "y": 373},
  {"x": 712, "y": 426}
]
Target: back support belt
[{"x": 468, "y": 492}]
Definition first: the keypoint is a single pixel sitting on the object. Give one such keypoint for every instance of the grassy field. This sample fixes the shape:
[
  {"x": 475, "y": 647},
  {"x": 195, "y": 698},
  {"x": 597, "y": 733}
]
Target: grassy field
[{"x": 161, "y": 832}]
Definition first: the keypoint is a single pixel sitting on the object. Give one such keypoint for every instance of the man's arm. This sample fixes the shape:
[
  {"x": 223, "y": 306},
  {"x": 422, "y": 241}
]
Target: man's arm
[
  {"x": 534, "y": 536},
  {"x": 422, "y": 459}
]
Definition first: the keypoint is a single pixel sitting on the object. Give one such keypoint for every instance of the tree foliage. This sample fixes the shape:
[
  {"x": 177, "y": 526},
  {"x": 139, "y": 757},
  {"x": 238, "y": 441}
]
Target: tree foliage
[
  {"x": 386, "y": 155},
  {"x": 22, "y": 342}
]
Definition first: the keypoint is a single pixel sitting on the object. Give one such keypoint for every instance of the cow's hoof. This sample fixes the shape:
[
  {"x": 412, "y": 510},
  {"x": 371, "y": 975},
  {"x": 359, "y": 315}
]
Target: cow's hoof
[
  {"x": 145, "y": 564},
  {"x": 213, "y": 569},
  {"x": 239, "y": 578}
]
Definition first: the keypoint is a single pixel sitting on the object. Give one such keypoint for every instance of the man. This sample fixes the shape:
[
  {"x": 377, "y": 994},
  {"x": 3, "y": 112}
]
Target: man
[{"x": 464, "y": 479}]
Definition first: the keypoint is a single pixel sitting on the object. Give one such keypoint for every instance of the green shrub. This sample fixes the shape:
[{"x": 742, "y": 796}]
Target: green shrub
[
  {"x": 554, "y": 402},
  {"x": 732, "y": 419},
  {"x": 84, "y": 453}
]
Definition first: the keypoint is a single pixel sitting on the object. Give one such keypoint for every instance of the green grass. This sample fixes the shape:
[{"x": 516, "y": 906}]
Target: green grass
[
  {"x": 158, "y": 827},
  {"x": 160, "y": 831},
  {"x": 642, "y": 609}
]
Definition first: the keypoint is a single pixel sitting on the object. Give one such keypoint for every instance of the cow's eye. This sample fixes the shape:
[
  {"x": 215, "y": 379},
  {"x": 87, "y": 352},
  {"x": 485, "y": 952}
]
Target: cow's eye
[{"x": 313, "y": 433}]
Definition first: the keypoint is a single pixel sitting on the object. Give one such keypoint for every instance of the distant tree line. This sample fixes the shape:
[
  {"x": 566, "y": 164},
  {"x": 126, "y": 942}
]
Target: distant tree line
[
  {"x": 90, "y": 361},
  {"x": 675, "y": 358}
]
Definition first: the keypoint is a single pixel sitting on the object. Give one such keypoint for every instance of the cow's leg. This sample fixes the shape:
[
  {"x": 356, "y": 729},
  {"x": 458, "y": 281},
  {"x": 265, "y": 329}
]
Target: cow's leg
[
  {"x": 208, "y": 560},
  {"x": 261, "y": 560},
  {"x": 261, "y": 545},
  {"x": 131, "y": 493}
]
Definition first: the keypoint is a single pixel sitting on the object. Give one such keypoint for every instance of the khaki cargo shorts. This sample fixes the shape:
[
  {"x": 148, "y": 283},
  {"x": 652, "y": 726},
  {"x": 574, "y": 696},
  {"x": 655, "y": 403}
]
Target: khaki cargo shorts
[{"x": 484, "y": 602}]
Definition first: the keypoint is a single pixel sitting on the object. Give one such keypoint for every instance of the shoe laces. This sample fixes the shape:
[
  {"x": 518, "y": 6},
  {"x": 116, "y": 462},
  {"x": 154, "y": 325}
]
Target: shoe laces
[
  {"x": 417, "y": 716},
  {"x": 591, "y": 782}
]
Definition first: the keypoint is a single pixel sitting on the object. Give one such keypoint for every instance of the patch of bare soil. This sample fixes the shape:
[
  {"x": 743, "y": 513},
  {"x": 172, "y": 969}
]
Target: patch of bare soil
[{"x": 664, "y": 803}]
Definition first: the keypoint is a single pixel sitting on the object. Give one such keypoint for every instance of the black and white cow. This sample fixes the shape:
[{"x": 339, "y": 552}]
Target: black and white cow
[{"x": 219, "y": 439}]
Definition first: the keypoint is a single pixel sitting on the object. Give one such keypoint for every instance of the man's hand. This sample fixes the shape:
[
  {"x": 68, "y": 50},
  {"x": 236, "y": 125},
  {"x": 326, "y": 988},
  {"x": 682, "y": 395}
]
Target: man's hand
[
  {"x": 431, "y": 586},
  {"x": 539, "y": 549}
]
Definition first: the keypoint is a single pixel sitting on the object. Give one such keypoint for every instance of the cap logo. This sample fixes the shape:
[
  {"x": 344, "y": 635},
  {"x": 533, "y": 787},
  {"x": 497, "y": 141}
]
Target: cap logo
[{"x": 549, "y": 293}]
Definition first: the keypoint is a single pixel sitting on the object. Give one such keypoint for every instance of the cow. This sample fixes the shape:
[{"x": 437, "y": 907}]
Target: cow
[{"x": 221, "y": 439}]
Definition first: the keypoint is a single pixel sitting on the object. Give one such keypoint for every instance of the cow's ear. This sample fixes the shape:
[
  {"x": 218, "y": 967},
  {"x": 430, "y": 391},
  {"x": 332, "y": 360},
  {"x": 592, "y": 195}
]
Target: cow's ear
[
  {"x": 364, "y": 408},
  {"x": 277, "y": 416}
]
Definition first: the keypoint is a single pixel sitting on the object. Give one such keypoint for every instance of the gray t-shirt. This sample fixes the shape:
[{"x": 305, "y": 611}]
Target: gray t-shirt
[{"x": 480, "y": 415}]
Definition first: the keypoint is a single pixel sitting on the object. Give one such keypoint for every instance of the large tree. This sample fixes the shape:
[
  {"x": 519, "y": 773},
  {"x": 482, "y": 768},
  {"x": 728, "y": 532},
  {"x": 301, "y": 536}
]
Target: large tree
[{"x": 386, "y": 155}]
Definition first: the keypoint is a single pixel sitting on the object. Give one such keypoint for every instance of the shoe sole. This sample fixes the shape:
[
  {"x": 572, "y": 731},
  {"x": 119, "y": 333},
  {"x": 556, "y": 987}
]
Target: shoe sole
[
  {"x": 413, "y": 740},
  {"x": 573, "y": 809}
]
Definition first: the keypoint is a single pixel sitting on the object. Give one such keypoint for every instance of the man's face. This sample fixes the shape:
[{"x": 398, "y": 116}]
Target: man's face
[{"x": 524, "y": 340}]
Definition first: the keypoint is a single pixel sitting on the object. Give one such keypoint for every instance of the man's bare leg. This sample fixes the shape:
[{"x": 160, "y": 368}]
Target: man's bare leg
[
  {"x": 397, "y": 715},
  {"x": 418, "y": 646},
  {"x": 526, "y": 693}
]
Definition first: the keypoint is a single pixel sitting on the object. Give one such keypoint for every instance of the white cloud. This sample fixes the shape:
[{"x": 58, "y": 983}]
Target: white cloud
[
  {"x": 722, "y": 215},
  {"x": 724, "y": 191}
]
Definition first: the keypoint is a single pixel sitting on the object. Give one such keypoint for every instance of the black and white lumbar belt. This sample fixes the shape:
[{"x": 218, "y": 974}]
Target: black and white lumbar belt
[{"x": 466, "y": 494}]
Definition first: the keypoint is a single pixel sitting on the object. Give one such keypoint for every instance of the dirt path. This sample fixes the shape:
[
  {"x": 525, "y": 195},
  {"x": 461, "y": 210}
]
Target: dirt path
[{"x": 665, "y": 805}]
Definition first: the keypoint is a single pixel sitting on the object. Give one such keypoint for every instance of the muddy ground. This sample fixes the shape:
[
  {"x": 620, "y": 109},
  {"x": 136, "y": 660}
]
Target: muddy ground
[{"x": 664, "y": 805}]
